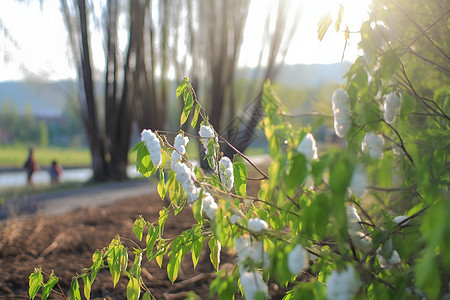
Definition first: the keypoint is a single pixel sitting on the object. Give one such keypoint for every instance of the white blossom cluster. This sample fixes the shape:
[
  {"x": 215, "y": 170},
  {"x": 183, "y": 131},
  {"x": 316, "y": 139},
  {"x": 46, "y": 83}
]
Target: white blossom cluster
[
  {"x": 388, "y": 263},
  {"x": 358, "y": 184},
  {"x": 179, "y": 144},
  {"x": 353, "y": 220},
  {"x": 206, "y": 133},
  {"x": 308, "y": 147},
  {"x": 252, "y": 283},
  {"x": 391, "y": 107},
  {"x": 251, "y": 252},
  {"x": 187, "y": 180},
  {"x": 373, "y": 144},
  {"x": 248, "y": 251},
  {"x": 153, "y": 146},
  {"x": 342, "y": 113},
  {"x": 257, "y": 225},
  {"x": 226, "y": 172},
  {"x": 343, "y": 285},
  {"x": 297, "y": 259},
  {"x": 234, "y": 219},
  {"x": 209, "y": 206},
  {"x": 355, "y": 230}
]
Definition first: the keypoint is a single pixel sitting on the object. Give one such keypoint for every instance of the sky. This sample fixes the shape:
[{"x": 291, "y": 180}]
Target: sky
[{"x": 39, "y": 47}]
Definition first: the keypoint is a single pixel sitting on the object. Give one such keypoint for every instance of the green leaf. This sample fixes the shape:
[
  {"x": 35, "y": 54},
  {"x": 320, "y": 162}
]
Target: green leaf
[
  {"x": 214, "y": 255},
  {"x": 97, "y": 260},
  {"x": 188, "y": 102},
  {"x": 35, "y": 282},
  {"x": 195, "y": 116},
  {"x": 159, "y": 260},
  {"x": 297, "y": 172},
  {"x": 181, "y": 88},
  {"x": 240, "y": 178},
  {"x": 163, "y": 215},
  {"x": 173, "y": 266},
  {"x": 197, "y": 246},
  {"x": 87, "y": 286},
  {"x": 117, "y": 259},
  {"x": 197, "y": 209},
  {"x": 152, "y": 235},
  {"x": 47, "y": 288},
  {"x": 133, "y": 289},
  {"x": 143, "y": 163},
  {"x": 147, "y": 296},
  {"x": 324, "y": 23},
  {"x": 388, "y": 65},
  {"x": 161, "y": 185},
  {"x": 75, "y": 290},
  {"x": 224, "y": 286},
  {"x": 427, "y": 275},
  {"x": 339, "y": 18},
  {"x": 138, "y": 227}
]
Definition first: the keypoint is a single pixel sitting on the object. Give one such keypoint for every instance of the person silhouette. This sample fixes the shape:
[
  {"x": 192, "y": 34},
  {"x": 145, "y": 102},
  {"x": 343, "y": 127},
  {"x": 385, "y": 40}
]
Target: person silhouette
[
  {"x": 31, "y": 166},
  {"x": 55, "y": 173}
]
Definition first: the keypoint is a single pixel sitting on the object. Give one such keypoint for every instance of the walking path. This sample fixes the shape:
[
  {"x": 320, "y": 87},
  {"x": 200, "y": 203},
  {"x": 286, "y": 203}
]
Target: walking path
[{"x": 54, "y": 203}]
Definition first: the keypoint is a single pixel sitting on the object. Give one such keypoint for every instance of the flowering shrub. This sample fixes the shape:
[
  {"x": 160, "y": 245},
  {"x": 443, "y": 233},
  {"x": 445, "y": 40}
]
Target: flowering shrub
[{"x": 356, "y": 223}]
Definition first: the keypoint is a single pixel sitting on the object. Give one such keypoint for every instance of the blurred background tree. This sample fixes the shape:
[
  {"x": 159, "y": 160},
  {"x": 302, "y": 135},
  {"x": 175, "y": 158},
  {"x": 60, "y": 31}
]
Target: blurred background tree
[{"x": 138, "y": 76}]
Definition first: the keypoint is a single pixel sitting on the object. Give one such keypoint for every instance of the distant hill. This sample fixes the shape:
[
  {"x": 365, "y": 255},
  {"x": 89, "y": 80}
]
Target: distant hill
[
  {"x": 305, "y": 76},
  {"x": 47, "y": 99},
  {"x": 313, "y": 75}
]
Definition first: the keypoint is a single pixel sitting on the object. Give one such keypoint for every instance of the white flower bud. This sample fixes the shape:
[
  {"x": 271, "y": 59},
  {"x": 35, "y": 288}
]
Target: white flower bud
[
  {"x": 226, "y": 172},
  {"x": 361, "y": 241},
  {"x": 234, "y": 219},
  {"x": 308, "y": 147},
  {"x": 343, "y": 285},
  {"x": 353, "y": 220},
  {"x": 209, "y": 206},
  {"x": 297, "y": 259},
  {"x": 252, "y": 283},
  {"x": 206, "y": 132},
  {"x": 257, "y": 225},
  {"x": 358, "y": 183},
  {"x": 342, "y": 113},
  {"x": 180, "y": 146},
  {"x": 391, "y": 107},
  {"x": 388, "y": 263},
  {"x": 373, "y": 144},
  {"x": 153, "y": 146},
  {"x": 186, "y": 178}
]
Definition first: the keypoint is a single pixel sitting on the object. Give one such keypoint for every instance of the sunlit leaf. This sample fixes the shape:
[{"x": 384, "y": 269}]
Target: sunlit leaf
[
  {"x": 339, "y": 18},
  {"x": 195, "y": 116},
  {"x": 240, "y": 178},
  {"x": 133, "y": 289},
  {"x": 161, "y": 185},
  {"x": 138, "y": 227},
  {"x": 35, "y": 282},
  {"x": 75, "y": 290},
  {"x": 47, "y": 288},
  {"x": 324, "y": 23},
  {"x": 87, "y": 286}
]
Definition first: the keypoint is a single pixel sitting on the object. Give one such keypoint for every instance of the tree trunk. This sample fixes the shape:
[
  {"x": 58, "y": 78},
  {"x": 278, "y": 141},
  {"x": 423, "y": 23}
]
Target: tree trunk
[{"x": 96, "y": 142}]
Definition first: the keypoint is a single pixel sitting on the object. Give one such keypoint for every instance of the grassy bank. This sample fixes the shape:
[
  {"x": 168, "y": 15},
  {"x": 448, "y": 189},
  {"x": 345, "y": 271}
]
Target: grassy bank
[{"x": 15, "y": 157}]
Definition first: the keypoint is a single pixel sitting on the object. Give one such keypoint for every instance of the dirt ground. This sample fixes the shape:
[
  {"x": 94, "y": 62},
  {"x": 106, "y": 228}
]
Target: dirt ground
[{"x": 65, "y": 244}]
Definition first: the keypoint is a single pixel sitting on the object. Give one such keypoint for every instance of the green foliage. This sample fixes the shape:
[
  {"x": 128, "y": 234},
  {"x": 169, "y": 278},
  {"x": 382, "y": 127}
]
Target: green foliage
[
  {"x": 313, "y": 204},
  {"x": 35, "y": 282}
]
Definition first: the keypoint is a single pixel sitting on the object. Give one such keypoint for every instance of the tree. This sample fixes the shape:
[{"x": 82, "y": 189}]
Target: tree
[
  {"x": 125, "y": 84},
  {"x": 9, "y": 117}
]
